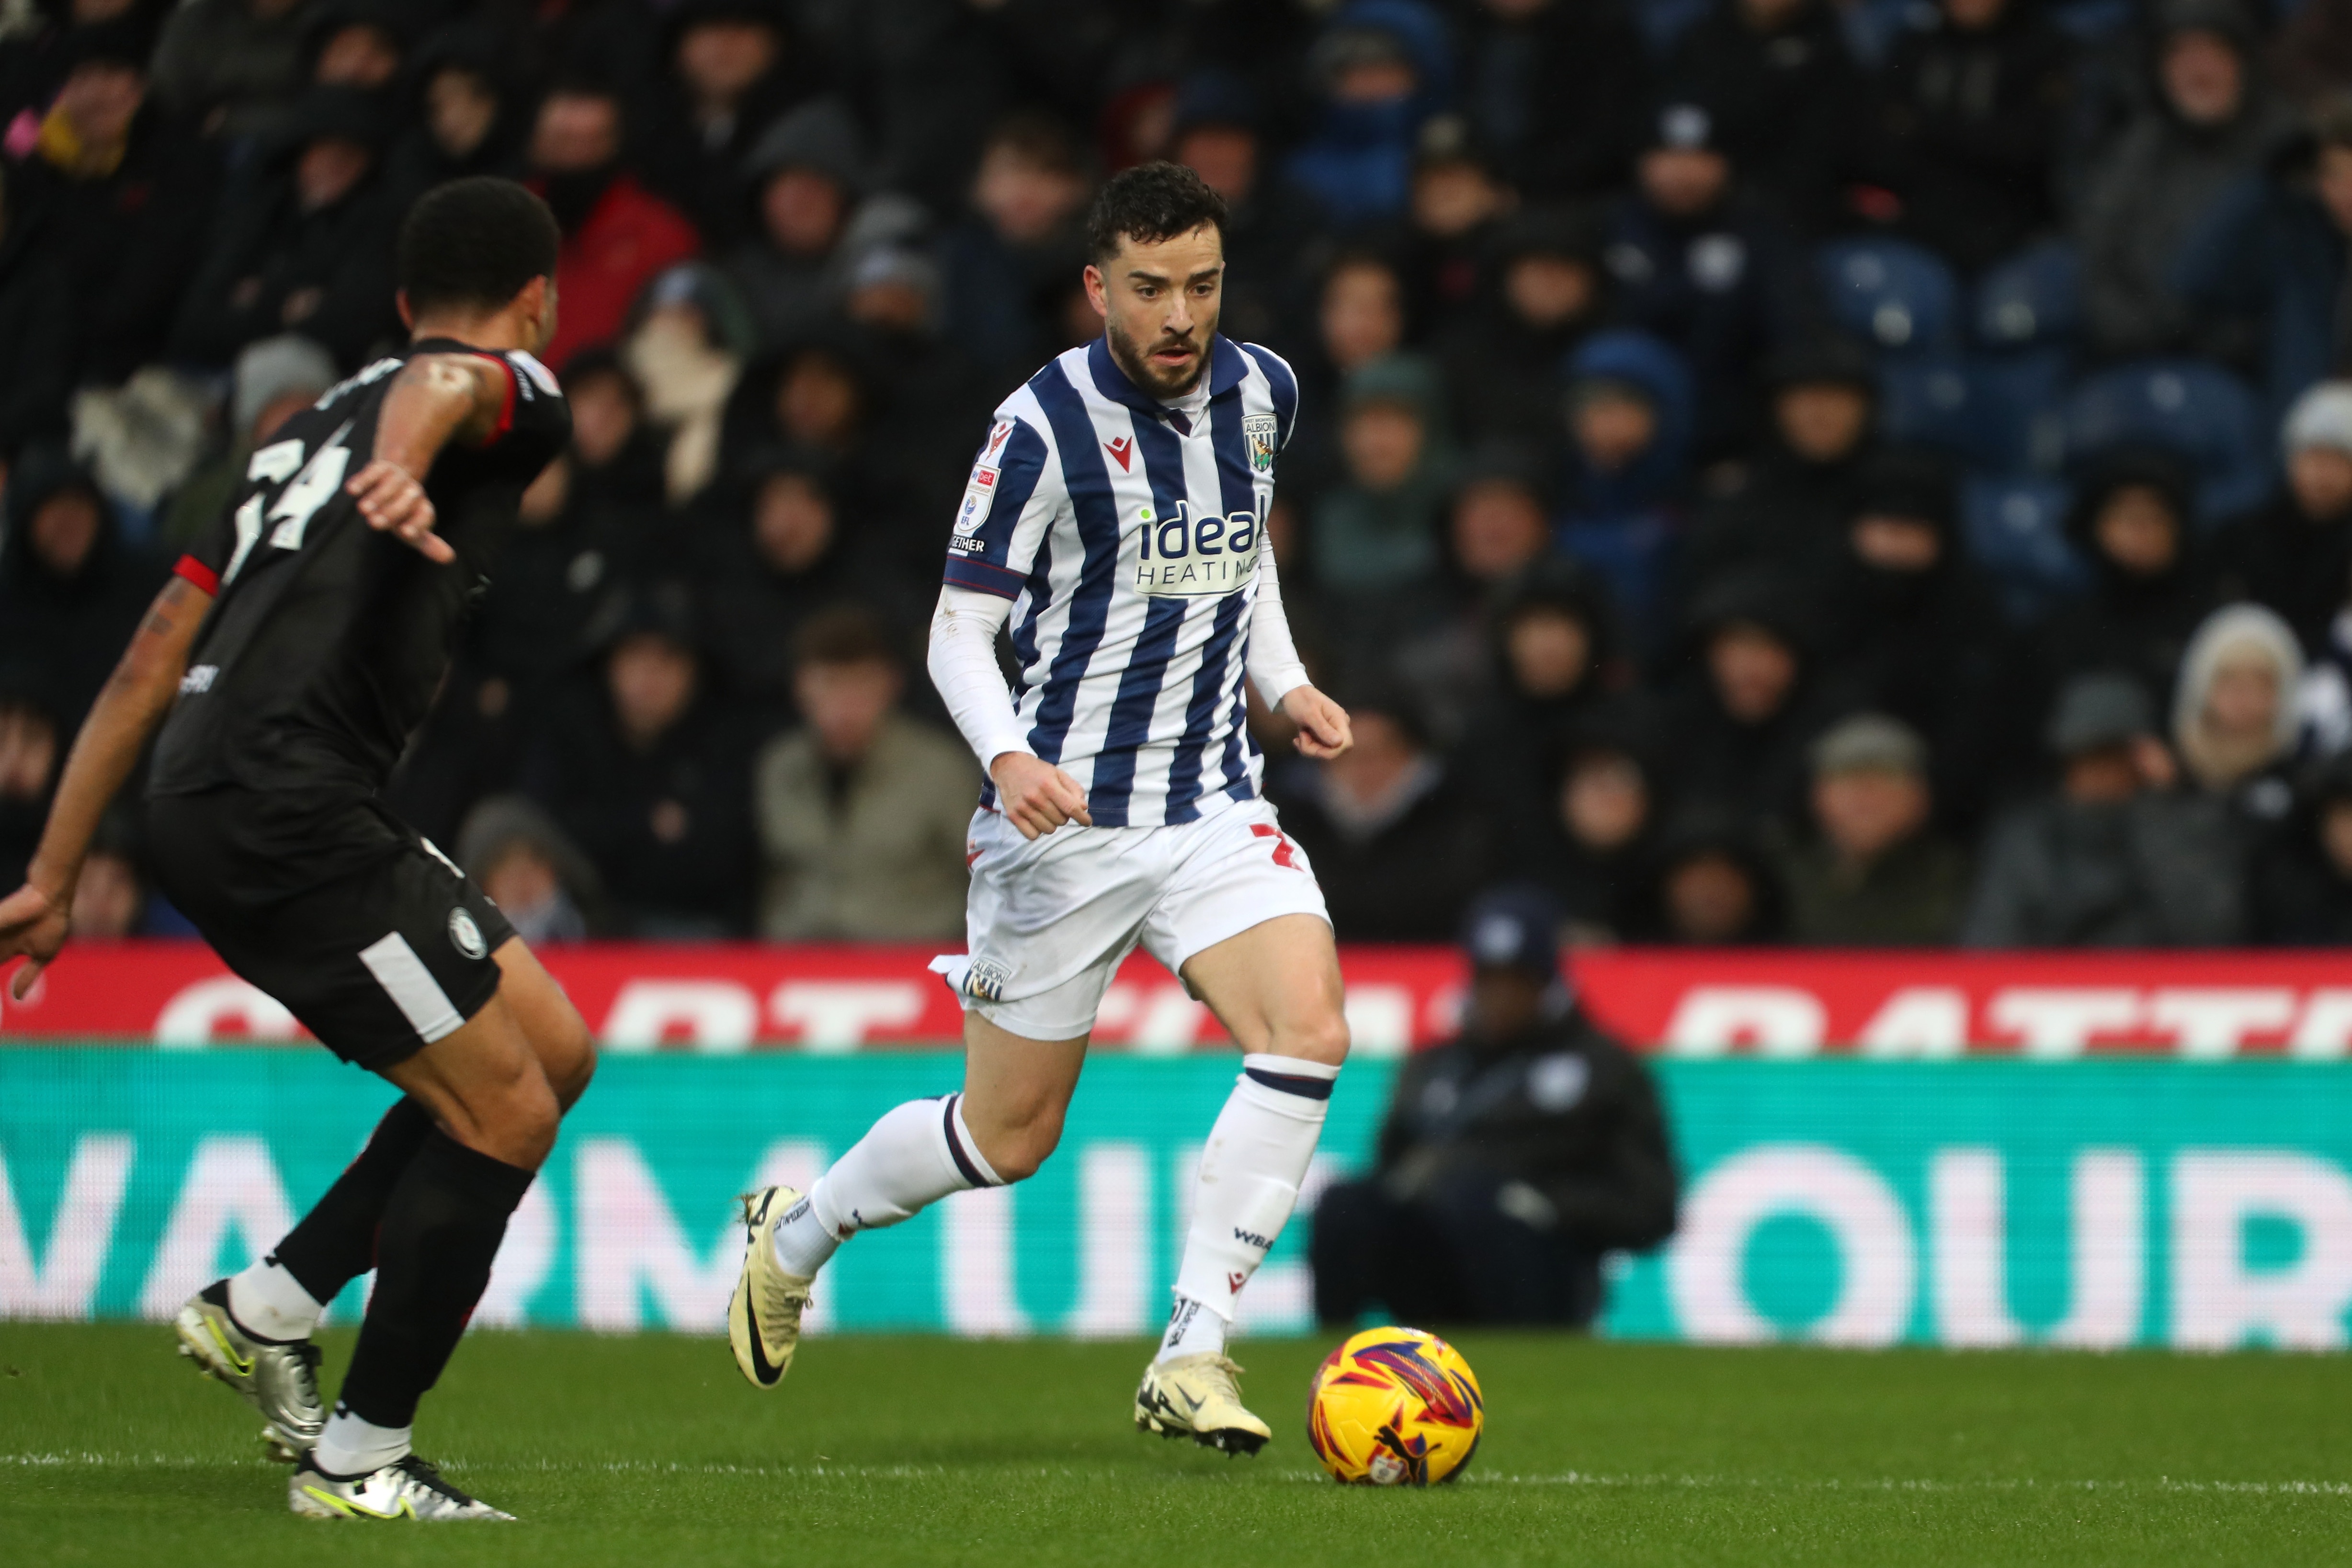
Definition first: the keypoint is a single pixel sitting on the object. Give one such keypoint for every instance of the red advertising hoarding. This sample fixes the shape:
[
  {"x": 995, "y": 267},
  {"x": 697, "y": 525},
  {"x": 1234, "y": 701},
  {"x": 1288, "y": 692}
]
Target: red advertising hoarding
[{"x": 837, "y": 998}]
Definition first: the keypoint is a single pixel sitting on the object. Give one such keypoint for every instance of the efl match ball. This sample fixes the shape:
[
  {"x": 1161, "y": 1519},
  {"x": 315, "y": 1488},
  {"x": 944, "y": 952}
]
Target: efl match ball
[{"x": 1394, "y": 1407}]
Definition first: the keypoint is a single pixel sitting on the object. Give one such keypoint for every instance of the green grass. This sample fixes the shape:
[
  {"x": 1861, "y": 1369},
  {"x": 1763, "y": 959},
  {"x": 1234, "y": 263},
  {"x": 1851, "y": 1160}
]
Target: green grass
[{"x": 650, "y": 1451}]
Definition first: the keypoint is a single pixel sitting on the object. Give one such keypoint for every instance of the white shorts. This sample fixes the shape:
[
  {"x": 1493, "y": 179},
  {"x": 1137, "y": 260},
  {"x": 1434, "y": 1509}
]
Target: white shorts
[{"x": 1049, "y": 919}]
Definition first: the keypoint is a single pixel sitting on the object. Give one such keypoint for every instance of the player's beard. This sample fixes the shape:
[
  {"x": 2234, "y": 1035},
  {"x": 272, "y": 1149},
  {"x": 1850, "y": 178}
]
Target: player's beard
[{"x": 1132, "y": 358}]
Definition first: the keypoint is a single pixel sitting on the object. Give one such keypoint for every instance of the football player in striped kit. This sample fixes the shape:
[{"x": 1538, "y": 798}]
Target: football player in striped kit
[{"x": 1114, "y": 521}]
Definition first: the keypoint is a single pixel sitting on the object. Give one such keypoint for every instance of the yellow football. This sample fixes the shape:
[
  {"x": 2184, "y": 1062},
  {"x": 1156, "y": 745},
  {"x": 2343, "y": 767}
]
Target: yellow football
[{"x": 1394, "y": 1407}]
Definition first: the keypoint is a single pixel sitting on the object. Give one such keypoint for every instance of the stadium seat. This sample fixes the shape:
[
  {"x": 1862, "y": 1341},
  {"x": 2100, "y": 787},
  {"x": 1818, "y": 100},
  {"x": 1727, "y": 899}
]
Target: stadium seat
[
  {"x": 1934, "y": 402},
  {"x": 2032, "y": 300},
  {"x": 1893, "y": 293},
  {"x": 2020, "y": 398},
  {"x": 2188, "y": 406},
  {"x": 2015, "y": 532}
]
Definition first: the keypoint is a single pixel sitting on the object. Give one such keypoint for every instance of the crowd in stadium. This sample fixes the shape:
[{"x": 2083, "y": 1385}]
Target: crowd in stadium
[{"x": 1771, "y": 471}]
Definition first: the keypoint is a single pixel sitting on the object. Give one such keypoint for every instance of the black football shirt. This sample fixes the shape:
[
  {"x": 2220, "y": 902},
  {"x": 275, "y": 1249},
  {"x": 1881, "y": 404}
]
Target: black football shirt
[{"x": 327, "y": 640}]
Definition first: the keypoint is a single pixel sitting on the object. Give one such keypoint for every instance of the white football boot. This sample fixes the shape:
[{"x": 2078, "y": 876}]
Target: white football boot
[
  {"x": 1196, "y": 1395},
  {"x": 409, "y": 1488},
  {"x": 764, "y": 1319},
  {"x": 279, "y": 1378}
]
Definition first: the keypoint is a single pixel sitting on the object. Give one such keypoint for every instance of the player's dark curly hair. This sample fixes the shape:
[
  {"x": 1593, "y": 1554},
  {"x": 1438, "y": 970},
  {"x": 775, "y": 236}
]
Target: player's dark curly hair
[
  {"x": 1148, "y": 204},
  {"x": 475, "y": 243}
]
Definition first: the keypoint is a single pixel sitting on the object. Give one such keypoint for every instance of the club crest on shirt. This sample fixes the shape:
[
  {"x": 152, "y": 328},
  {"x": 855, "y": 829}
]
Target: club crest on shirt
[{"x": 1265, "y": 438}]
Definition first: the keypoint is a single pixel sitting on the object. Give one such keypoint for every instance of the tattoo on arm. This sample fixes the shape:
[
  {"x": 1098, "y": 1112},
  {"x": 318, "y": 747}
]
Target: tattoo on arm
[{"x": 161, "y": 615}]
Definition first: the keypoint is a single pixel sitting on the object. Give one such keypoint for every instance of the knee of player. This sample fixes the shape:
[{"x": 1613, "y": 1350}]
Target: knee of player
[
  {"x": 1322, "y": 1037},
  {"x": 520, "y": 1124},
  {"x": 1022, "y": 1151}
]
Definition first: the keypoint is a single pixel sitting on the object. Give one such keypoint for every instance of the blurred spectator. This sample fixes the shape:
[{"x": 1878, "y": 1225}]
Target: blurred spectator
[
  {"x": 1503, "y": 364},
  {"x": 1512, "y": 1161},
  {"x": 616, "y": 454},
  {"x": 1738, "y": 721},
  {"x": 1785, "y": 97},
  {"x": 274, "y": 379},
  {"x": 37, "y": 331},
  {"x": 1556, "y": 659},
  {"x": 1497, "y": 528},
  {"x": 649, "y": 774},
  {"x": 1009, "y": 263},
  {"x": 1457, "y": 202},
  {"x": 42, "y": 43},
  {"x": 1873, "y": 873},
  {"x": 2295, "y": 554},
  {"x": 71, "y": 587},
  {"x": 2211, "y": 119},
  {"x": 470, "y": 113},
  {"x": 355, "y": 43},
  {"x": 1594, "y": 852},
  {"x": 1704, "y": 264},
  {"x": 1359, "y": 318},
  {"x": 2131, "y": 517},
  {"x": 862, "y": 812},
  {"x": 1972, "y": 103},
  {"x": 1786, "y": 508},
  {"x": 2114, "y": 857},
  {"x": 2233, "y": 719},
  {"x": 806, "y": 173},
  {"x": 617, "y": 236},
  {"x": 1391, "y": 834},
  {"x": 1218, "y": 132},
  {"x": 762, "y": 576},
  {"x": 730, "y": 72},
  {"x": 2310, "y": 53},
  {"x": 230, "y": 62},
  {"x": 1631, "y": 411},
  {"x": 539, "y": 879},
  {"x": 1712, "y": 886},
  {"x": 1380, "y": 68},
  {"x": 2301, "y": 885},
  {"x": 32, "y": 752},
  {"x": 1557, "y": 89},
  {"x": 1376, "y": 530},
  {"x": 303, "y": 245},
  {"x": 686, "y": 350}
]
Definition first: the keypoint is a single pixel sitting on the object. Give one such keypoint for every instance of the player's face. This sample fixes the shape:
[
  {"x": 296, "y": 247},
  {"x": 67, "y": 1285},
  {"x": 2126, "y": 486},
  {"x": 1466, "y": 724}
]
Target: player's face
[{"x": 1160, "y": 303}]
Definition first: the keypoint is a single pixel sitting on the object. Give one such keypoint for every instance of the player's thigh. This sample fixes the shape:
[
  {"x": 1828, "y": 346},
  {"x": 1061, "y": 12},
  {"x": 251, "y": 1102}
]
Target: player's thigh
[
  {"x": 1016, "y": 1089},
  {"x": 1276, "y": 987},
  {"x": 559, "y": 1036},
  {"x": 484, "y": 1086}
]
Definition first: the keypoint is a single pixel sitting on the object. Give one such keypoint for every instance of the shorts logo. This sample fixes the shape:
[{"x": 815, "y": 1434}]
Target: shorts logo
[
  {"x": 466, "y": 936},
  {"x": 1285, "y": 853},
  {"x": 1263, "y": 437},
  {"x": 986, "y": 979}
]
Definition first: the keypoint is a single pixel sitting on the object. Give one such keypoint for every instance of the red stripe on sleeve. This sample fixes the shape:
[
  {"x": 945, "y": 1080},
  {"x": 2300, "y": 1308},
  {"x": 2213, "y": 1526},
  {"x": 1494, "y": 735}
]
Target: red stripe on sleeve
[
  {"x": 198, "y": 573},
  {"x": 506, "y": 409}
]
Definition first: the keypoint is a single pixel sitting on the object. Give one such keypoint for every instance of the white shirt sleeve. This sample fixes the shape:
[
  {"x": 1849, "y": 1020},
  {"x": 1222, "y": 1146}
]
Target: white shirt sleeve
[
  {"x": 1274, "y": 663},
  {"x": 962, "y": 662}
]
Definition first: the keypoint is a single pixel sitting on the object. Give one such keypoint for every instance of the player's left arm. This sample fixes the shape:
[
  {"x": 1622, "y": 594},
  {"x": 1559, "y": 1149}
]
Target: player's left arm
[
  {"x": 1280, "y": 675},
  {"x": 435, "y": 399}
]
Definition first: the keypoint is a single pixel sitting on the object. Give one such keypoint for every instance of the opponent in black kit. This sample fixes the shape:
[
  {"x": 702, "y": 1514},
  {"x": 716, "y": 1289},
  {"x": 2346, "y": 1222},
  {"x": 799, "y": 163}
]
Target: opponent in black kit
[{"x": 287, "y": 663}]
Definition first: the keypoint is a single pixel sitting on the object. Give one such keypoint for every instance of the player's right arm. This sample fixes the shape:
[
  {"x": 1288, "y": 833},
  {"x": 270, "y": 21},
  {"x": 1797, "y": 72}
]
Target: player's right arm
[
  {"x": 433, "y": 400},
  {"x": 33, "y": 918}
]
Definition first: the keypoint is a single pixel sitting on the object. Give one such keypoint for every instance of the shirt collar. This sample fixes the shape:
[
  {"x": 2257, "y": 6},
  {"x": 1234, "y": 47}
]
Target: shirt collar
[{"x": 1227, "y": 366}]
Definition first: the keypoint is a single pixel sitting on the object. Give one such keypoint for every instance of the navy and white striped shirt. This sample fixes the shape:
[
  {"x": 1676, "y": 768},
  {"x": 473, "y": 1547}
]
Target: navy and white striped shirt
[{"x": 1127, "y": 535}]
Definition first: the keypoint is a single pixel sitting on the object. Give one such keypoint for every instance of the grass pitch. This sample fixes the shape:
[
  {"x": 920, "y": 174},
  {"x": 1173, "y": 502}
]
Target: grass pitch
[{"x": 650, "y": 1451}]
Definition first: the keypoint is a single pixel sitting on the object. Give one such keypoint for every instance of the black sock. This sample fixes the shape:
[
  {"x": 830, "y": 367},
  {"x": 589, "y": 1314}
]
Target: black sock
[
  {"x": 441, "y": 1232},
  {"x": 334, "y": 1244}
]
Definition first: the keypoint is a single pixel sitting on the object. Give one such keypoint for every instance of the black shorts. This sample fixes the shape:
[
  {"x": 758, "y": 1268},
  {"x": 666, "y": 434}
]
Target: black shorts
[{"x": 369, "y": 935}]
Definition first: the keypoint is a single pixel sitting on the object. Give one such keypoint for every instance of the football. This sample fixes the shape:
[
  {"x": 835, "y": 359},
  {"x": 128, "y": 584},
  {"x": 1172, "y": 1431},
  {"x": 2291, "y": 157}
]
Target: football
[{"x": 1394, "y": 1407}]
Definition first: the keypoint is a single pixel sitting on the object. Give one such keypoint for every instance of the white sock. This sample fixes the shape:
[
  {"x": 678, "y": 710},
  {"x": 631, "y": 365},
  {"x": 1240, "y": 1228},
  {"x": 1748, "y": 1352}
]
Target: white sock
[
  {"x": 916, "y": 1154},
  {"x": 1193, "y": 1330},
  {"x": 351, "y": 1447},
  {"x": 1250, "y": 1171},
  {"x": 269, "y": 1303}
]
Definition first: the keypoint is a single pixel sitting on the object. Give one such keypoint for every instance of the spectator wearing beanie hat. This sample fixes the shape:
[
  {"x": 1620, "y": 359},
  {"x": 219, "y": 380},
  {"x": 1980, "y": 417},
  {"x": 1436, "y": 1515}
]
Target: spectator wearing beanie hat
[
  {"x": 2134, "y": 518},
  {"x": 1872, "y": 872},
  {"x": 2296, "y": 553},
  {"x": 1545, "y": 293},
  {"x": 1787, "y": 96},
  {"x": 806, "y": 175}
]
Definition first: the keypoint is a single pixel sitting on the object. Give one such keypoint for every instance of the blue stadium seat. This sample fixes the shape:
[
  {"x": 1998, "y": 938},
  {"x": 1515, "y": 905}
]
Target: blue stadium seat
[
  {"x": 1933, "y": 400},
  {"x": 2015, "y": 531},
  {"x": 2032, "y": 300},
  {"x": 2199, "y": 410},
  {"x": 2021, "y": 398},
  {"x": 1893, "y": 293}
]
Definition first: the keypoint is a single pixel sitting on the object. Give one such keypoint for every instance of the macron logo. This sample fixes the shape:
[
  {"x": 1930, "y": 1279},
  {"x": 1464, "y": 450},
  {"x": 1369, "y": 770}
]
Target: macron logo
[{"x": 1120, "y": 449}]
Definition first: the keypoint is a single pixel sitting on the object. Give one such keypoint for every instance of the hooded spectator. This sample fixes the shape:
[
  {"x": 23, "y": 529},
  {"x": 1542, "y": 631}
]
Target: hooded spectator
[
  {"x": 37, "y": 331},
  {"x": 2113, "y": 858},
  {"x": 2295, "y": 554},
  {"x": 649, "y": 774},
  {"x": 1712, "y": 886},
  {"x": 2131, "y": 517},
  {"x": 733, "y": 68},
  {"x": 937, "y": 397},
  {"x": 1009, "y": 264},
  {"x": 273, "y": 380},
  {"x": 1704, "y": 264},
  {"x": 470, "y": 115},
  {"x": 2211, "y": 119},
  {"x": 1359, "y": 318},
  {"x": 1376, "y": 530},
  {"x": 231, "y": 63},
  {"x": 1786, "y": 96},
  {"x": 616, "y": 457},
  {"x": 1458, "y": 203},
  {"x": 1380, "y": 70},
  {"x": 807, "y": 174},
  {"x": 1546, "y": 295},
  {"x": 1594, "y": 849},
  {"x": 862, "y": 811},
  {"x": 1738, "y": 721},
  {"x": 2233, "y": 716},
  {"x": 2301, "y": 884},
  {"x": 1972, "y": 104},
  {"x": 1557, "y": 89},
  {"x": 72, "y": 588},
  {"x": 1393, "y": 838},
  {"x": 1219, "y": 132},
  {"x": 1874, "y": 872},
  {"x": 1497, "y": 528},
  {"x": 358, "y": 45},
  {"x": 617, "y": 236},
  {"x": 1630, "y": 413},
  {"x": 1556, "y": 659},
  {"x": 303, "y": 246},
  {"x": 688, "y": 342},
  {"x": 537, "y": 877}
]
